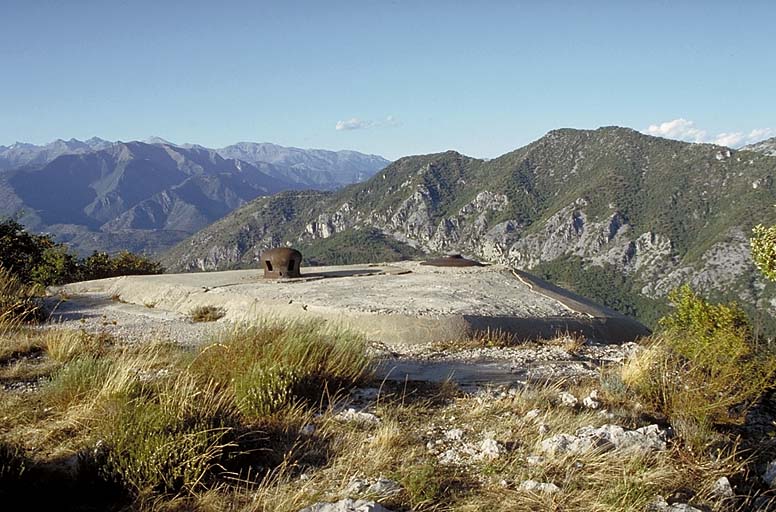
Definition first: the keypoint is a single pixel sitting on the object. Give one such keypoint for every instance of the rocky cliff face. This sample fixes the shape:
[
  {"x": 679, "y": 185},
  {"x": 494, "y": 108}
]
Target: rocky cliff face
[{"x": 658, "y": 212}]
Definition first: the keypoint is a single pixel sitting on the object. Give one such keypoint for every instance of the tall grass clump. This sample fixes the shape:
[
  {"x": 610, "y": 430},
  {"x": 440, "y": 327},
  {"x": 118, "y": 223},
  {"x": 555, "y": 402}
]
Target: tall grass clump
[
  {"x": 169, "y": 439},
  {"x": 78, "y": 380},
  {"x": 18, "y": 300},
  {"x": 272, "y": 365},
  {"x": 704, "y": 367}
]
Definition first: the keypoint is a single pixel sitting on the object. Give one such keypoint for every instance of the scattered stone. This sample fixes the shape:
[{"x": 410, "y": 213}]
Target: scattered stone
[
  {"x": 350, "y": 415},
  {"x": 346, "y": 505},
  {"x": 356, "y": 486},
  {"x": 384, "y": 487},
  {"x": 534, "y": 460},
  {"x": 769, "y": 477},
  {"x": 450, "y": 456},
  {"x": 534, "y": 486},
  {"x": 533, "y": 414},
  {"x": 605, "y": 438},
  {"x": 544, "y": 428},
  {"x": 567, "y": 399},
  {"x": 661, "y": 505},
  {"x": 455, "y": 434},
  {"x": 490, "y": 449},
  {"x": 722, "y": 488},
  {"x": 307, "y": 430},
  {"x": 591, "y": 401}
]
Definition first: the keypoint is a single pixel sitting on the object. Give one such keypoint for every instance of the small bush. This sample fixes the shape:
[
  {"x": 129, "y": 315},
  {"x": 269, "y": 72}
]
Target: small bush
[
  {"x": 101, "y": 265},
  {"x": 293, "y": 360},
  {"x": 19, "y": 301},
  {"x": 77, "y": 380},
  {"x": 206, "y": 314},
  {"x": 262, "y": 391},
  {"x": 763, "y": 245},
  {"x": 169, "y": 440},
  {"x": 704, "y": 362},
  {"x": 65, "y": 345}
]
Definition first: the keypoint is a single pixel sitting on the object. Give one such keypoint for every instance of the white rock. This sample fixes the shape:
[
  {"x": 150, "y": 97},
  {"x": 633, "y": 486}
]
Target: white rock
[
  {"x": 352, "y": 416},
  {"x": 490, "y": 449},
  {"x": 661, "y": 505},
  {"x": 307, "y": 430},
  {"x": 532, "y": 414},
  {"x": 543, "y": 428},
  {"x": 356, "y": 486},
  {"x": 591, "y": 401},
  {"x": 384, "y": 487},
  {"x": 455, "y": 434},
  {"x": 534, "y": 460},
  {"x": 567, "y": 399},
  {"x": 450, "y": 456},
  {"x": 534, "y": 486},
  {"x": 770, "y": 474},
  {"x": 722, "y": 488},
  {"x": 605, "y": 438},
  {"x": 346, "y": 505}
]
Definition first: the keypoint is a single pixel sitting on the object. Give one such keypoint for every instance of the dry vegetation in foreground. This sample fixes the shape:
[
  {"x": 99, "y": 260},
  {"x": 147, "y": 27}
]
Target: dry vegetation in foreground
[
  {"x": 206, "y": 314},
  {"x": 251, "y": 422}
]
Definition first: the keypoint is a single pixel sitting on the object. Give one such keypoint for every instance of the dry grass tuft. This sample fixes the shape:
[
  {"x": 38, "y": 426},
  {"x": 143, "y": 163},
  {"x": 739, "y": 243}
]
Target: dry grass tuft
[{"x": 206, "y": 314}]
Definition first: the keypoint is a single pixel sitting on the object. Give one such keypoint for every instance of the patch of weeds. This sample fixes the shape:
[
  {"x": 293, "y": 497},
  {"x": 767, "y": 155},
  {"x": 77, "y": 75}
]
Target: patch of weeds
[
  {"x": 169, "y": 438},
  {"x": 481, "y": 339},
  {"x": 263, "y": 390},
  {"x": 206, "y": 314},
  {"x": 79, "y": 378},
  {"x": 13, "y": 462},
  {"x": 306, "y": 354},
  {"x": 703, "y": 369},
  {"x": 65, "y": 345}
]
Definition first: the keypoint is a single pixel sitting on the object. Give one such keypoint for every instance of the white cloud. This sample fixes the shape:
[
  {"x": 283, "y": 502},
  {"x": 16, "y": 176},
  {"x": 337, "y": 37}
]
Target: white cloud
[
  {"x": 677, "y": 129},
  {"x": 355, "y": 123},
  {"x": 683, "y": 129}
]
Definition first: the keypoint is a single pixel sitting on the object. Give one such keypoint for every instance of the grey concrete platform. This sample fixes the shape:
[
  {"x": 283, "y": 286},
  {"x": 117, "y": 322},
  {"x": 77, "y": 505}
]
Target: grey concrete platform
[{"x": 401, "y": 302}]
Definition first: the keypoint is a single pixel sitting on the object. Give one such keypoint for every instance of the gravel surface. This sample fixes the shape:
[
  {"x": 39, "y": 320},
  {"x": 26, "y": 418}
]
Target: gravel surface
[{"x": 97, "y": 313}]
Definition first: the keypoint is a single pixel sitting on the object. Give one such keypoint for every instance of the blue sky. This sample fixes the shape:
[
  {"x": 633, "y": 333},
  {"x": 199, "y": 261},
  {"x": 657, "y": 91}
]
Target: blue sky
[{"x": 387, "y": 77}]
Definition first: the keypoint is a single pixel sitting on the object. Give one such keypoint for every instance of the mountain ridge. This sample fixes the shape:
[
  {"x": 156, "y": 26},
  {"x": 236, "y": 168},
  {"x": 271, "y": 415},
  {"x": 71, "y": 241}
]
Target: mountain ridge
[
  {"x": 584, "y": 204},
  {"x": 86, "y": 196}
]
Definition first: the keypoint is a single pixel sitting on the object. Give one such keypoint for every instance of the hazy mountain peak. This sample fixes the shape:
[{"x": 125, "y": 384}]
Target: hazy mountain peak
[
  {"x": 158, "y": 140},
  {"x": 766, "y": 147}
]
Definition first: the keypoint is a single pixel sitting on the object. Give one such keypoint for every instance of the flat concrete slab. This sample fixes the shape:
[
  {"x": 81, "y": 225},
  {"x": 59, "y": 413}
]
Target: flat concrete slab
[{"x": 399, "y": 302}]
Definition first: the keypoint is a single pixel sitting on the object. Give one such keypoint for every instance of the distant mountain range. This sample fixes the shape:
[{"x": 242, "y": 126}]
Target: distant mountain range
[
  {"x": 617, "y": 215},
  {"x": 146, "y": 196}
]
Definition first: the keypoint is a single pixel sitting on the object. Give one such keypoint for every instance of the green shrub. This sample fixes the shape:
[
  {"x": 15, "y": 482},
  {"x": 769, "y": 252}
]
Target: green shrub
[
  {"x": 20, "y": 251},
  {"x": 80, "y": 378},
  {"x": 39, "y": 259},
  {"x": 170, "y": 439},
  {"x": 293, "y": 360},
  {"x": 101, "y": 265},
  {"x": 262, "y": 391},
  {"x": 702, "y": 363},
  {"x": 763, "y": 245},
  {"x": 56, "y": 266}
]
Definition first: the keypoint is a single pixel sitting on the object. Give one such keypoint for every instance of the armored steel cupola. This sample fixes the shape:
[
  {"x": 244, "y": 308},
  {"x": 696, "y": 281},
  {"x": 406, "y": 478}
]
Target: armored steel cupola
[{"x": 281, "y": 262}]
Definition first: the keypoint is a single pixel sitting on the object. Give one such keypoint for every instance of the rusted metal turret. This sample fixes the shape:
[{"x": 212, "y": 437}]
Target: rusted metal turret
[
  {"x": 281, "y": 262},
  {"x": 452, "y": 260}
]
